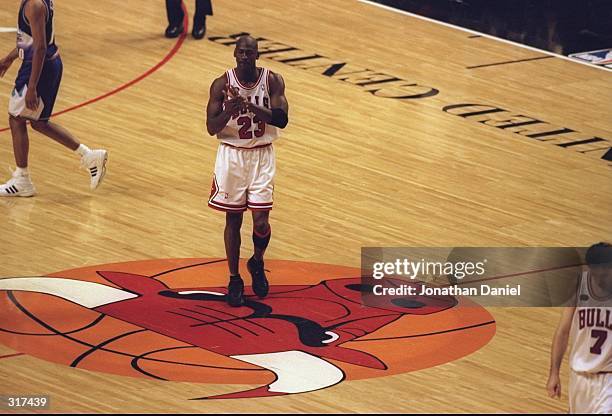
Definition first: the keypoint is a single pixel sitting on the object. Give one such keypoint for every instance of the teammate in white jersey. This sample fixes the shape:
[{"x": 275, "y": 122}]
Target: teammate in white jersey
[
  {"x": 588, "y": 326},
  {"x": 246, "y": 107}
]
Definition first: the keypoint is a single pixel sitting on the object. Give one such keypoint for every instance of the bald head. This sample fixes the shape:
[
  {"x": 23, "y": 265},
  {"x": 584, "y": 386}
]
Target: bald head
[
  {"x": 247, "y": 41},
  {"x": 246, "y": 53}
]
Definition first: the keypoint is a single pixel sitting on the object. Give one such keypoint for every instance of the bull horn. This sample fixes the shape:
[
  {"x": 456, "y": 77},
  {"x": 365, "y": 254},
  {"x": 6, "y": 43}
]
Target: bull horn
[
  {"x": 88, "y": 294},
  {"x": 296, "y": 372}
]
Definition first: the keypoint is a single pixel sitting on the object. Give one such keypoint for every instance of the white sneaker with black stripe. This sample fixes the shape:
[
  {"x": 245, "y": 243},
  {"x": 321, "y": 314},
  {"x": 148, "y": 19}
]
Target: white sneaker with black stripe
[
  {"x": 95, "y": 162},
  {"x": 18, "y": 185}
]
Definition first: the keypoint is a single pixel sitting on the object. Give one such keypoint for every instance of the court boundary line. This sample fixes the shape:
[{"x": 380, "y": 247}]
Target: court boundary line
[
  {"x": 509, "y": 62},
  {"x": 475, "y": 32}
]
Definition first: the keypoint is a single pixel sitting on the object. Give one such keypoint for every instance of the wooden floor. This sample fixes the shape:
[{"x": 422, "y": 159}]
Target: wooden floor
[{"x": 354, "y": 170}]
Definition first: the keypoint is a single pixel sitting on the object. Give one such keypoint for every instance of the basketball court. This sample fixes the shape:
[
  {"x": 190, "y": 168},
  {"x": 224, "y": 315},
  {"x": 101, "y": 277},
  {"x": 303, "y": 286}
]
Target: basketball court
[{"x": 402, "y": 132}]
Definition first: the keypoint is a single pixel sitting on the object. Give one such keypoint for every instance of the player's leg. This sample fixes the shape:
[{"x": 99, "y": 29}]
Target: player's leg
[
  {"x": 261, "y": 238},
  {"x": 57, "y": 133},
  {"x": 20, "y": 184},
  {"x": 235, "y": 288},
  {"x": 260, "y": 203},
  {"x": 21, "y": 141},
  {"x": 228, "y": 194},
  {"x": 231, "y": 236},
  {"x": 262, "y": 231},
  {"x": 48, "y": 86},
  {"x": 92, "y": 160}
]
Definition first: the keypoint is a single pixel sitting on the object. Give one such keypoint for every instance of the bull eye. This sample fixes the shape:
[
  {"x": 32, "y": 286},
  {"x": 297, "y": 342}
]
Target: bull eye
[
  {"x": 331, "y": 337},
  {"x": 407, "y": 303},
  {"x": 360, "y": 288}
]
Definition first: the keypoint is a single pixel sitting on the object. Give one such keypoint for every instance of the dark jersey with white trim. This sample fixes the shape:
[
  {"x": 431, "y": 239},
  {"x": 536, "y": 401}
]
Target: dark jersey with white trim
[{"x": 24, "y": 32}]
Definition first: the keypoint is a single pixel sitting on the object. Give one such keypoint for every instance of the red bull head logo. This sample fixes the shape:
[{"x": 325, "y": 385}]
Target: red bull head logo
[{"x": 309, "y": 336}]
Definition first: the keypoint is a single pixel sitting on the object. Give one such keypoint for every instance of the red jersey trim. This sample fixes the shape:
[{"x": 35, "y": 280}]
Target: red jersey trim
[
  {"x": 254, "y": 85},
  {"x": 247, "y": 148},
  {"x": 225, "y": 209}
]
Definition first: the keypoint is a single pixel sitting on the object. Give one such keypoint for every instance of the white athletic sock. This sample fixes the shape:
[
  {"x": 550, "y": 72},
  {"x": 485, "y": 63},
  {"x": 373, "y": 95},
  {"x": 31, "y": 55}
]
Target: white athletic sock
[
  {"x": 21, "y": 171},
  {"x": 83, "y": 150}
]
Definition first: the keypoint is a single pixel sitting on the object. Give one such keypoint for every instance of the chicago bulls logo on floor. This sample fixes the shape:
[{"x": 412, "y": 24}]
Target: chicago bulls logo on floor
[{"x": 168, "y": 320}]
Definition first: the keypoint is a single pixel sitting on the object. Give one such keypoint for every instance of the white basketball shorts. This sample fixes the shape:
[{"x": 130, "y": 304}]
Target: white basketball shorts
[
  {"x": 590, "y": 393},
  {"x": 244, "y": 178}
]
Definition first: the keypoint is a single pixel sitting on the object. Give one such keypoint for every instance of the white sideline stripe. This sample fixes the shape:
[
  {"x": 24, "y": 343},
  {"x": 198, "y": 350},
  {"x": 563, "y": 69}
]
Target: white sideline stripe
[
  {"x": 556, "y": 55},
  {"x": 7, "y": 29}
]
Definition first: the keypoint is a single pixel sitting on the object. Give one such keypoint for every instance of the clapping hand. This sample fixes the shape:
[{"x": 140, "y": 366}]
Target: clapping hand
[{"x": 232, "y": 100}]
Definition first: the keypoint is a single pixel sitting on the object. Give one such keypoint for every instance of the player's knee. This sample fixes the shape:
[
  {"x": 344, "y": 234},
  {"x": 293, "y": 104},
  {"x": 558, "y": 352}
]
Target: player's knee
[
  {"x": 39, "y": 125},
  {"x": 15, "y": 120},
  {"x": 261, "y": 225},
  {"x": 233, "y": 219}
]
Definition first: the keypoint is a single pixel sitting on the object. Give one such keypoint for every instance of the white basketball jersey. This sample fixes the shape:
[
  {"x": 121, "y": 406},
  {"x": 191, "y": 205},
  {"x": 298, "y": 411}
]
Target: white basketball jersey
[
  {"x": 591, "y": 331},
  {"x": 244, "y": 129}
]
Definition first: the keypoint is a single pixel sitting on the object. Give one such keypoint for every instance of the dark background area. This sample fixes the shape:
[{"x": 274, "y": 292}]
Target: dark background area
[{"x": 560, "y": 26}]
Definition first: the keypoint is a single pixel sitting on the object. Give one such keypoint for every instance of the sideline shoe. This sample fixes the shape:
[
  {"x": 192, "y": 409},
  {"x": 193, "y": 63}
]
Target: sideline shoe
[
  {"x": 260, "y": 282},
  {"x": 174, "y": 31},
  {"x": 235, "y": 291},
  {"x": 199, "y": 28},
  {"x": 18, "y": 185},
  {"x": 95, "y": 162}
]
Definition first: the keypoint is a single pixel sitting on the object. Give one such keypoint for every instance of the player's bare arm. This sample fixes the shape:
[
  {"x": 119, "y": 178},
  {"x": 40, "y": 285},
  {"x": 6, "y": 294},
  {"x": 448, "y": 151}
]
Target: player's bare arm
[
  {"x": 277, "y": 115},
  {"x": 559, "y": 345},
  {"x": 7, "y": 61},
  {"x": 36, "y": 12},
  {"x": 221, "y": 105}
]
